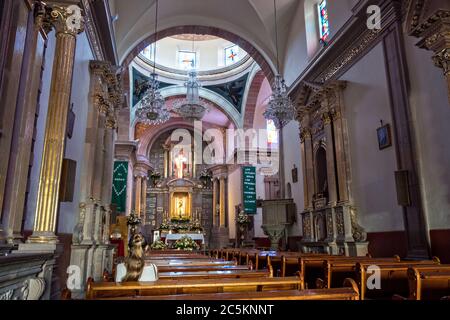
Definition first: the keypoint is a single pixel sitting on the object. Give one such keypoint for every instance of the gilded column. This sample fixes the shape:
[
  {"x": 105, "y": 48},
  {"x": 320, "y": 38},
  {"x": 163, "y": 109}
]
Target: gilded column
[
  {"x": 214, "y": 208},
  {"x": 138, "y": 193},
  {"x": 222, "y": 200},
  {"x": 68, "y": 22},
  {"x": 144, "y": 199}
]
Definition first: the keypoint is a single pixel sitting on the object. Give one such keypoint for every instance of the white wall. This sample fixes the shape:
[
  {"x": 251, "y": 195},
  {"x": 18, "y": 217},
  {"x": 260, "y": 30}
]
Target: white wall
[
  {"x": 366, "y": 101},
  {"x": 292, "y": 156},
  {"x": 431, "y": 114}
]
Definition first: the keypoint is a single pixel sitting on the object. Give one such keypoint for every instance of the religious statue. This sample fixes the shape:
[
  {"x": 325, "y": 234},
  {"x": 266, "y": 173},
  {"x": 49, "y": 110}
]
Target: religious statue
[
  {"x": 180, "y": 163},
  {"x": 180, "y": 207}
]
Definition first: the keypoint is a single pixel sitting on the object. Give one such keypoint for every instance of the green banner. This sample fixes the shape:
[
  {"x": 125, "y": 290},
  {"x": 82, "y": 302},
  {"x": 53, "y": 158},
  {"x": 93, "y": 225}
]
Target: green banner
[
  {"x": 119, "y": 188},
  {"x": 249, "y": 189}
]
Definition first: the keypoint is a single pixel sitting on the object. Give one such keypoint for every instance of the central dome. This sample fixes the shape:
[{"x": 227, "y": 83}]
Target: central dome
[{"x": 205, "y": 53}]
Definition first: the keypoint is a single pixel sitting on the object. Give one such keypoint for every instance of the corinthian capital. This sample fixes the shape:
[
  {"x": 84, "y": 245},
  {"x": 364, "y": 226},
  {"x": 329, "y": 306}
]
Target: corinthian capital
[
  {"x": 442, "y": 60},
  {"x": 67, "y": 19}
]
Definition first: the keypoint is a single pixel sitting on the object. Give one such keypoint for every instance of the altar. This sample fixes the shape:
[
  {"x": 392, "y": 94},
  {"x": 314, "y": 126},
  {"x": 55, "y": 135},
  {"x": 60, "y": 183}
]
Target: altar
[{"x": 172, "y": 237}]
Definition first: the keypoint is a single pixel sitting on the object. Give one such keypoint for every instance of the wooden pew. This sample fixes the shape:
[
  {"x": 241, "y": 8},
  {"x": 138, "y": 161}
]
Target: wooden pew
[
  {"x": 393, "y": 278},
  {"x": 188, "y": 268},
  {"x": 186, "y": 262},
  {"x": 215, "y": 274},
  {"x": 313, "y": 272},
  {"x": 189, "y": 286},
  {"x": 348, "y": 292},
  {"x": 335, "y": 270},
  {"x": 429, "y": 282}
]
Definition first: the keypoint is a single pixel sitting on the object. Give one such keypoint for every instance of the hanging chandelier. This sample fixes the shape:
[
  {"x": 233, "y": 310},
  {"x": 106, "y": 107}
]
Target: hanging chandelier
[
  {"x": 192, "y": 107},
  {"x": 280, "y": 108},
  {"x": 152, "y": 108}
]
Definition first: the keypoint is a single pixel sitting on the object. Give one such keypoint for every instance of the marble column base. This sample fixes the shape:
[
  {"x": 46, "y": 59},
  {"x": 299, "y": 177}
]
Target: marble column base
[{"x": 36, "y": 247}]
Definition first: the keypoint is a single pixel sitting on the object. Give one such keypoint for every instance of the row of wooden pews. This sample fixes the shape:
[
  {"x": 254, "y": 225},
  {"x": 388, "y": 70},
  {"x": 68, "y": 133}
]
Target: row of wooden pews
[
  {"x": 398, "y": 279},
  {"x": 192, "y": 276}
]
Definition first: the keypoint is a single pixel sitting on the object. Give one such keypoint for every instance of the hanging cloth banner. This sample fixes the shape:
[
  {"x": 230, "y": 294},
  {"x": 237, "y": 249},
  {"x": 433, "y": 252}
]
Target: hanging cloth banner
[
  {"x": 249, "y": 189},
  {"x": 119, "y": 187}
]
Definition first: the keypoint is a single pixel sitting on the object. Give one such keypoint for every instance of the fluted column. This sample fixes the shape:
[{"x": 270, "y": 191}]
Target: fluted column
[
  {"x": 144, "y": 199},
  {"x": 67, "y": 22},
  {"x": 331, "y": 176},
  {"x": 309, "y": 167},
  {"x": 222, "y": 200},
  {"x": 138, "y": 194},
  {"x": 215, "y": 189}
]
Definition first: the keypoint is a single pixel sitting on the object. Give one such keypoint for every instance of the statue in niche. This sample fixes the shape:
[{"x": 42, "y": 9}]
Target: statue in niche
[{"x": 180, "y": 164}]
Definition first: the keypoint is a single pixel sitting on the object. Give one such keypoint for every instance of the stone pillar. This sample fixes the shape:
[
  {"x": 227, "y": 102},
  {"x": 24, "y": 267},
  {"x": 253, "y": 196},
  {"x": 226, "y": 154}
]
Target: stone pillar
[
  {"x": 304, "y": 170},
  {"x": 342, "y": 168},
  {"x": 331, "y": 176},
  {"x": 214, "y": 208},
  {"x": 19, "y": 162},
  {"x": 309, "y": 166},
  {"x": 67, "y": 25},
  {"x": 222, "y": 201}
]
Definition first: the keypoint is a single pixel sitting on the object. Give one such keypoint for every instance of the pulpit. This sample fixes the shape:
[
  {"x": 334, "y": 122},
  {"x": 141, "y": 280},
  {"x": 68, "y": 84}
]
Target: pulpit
[{"x": 277, "y": 216}]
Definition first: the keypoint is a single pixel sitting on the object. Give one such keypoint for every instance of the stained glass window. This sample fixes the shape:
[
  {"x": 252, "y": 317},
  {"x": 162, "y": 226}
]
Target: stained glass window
[
  {"x": 187, "y": 59},
  {"x": 324, "y": 27},
  {"x": 232, "y": 55},
  {"x": 272, "y": 132}
]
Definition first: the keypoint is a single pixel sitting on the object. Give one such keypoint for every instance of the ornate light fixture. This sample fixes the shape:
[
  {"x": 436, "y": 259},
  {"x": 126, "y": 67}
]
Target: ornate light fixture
[
  {"x": 152, "y": 108},
  {"x": 280, "y": 108},
  {"x": 192, "y": 107}
]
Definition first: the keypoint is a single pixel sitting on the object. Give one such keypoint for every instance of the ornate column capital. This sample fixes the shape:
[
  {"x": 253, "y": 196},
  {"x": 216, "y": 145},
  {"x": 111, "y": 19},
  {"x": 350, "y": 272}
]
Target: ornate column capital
[
  {"x": 67, "y": 19},
  {"x": 442, "y": 60},
  {"x": 305, "y": 133},
  {"x": 326, "y": 118}
]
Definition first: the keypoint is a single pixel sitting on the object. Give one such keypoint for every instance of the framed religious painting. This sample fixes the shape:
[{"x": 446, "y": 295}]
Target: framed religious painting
[{"x": 384, "y": 136}]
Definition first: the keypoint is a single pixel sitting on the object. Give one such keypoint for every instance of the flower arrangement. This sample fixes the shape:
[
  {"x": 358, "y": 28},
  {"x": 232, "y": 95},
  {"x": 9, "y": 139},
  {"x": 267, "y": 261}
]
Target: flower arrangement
[
  {"x": 186, "y": 243},
  {"x": 164, "y": 225},
  {"x": 243, "y": 218},
  {"x": 180, "y": 220},
  {"x": 133, "y": 220},
  {"x": 158, "y": 245}
]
